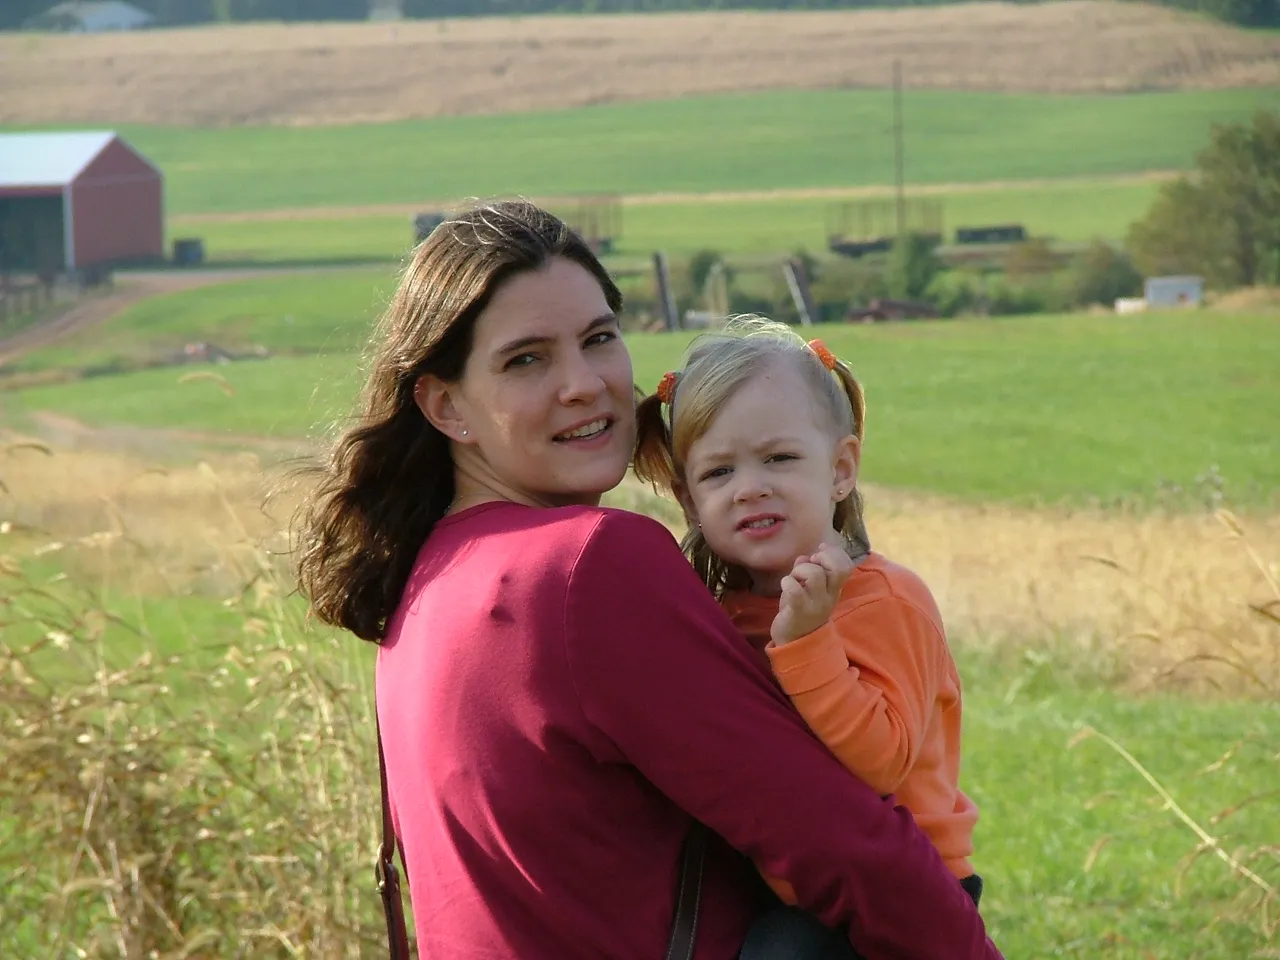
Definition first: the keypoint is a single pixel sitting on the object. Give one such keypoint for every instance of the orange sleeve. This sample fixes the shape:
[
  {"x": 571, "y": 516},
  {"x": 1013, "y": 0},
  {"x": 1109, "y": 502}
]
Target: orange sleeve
[{"x": 866, "y": 683}]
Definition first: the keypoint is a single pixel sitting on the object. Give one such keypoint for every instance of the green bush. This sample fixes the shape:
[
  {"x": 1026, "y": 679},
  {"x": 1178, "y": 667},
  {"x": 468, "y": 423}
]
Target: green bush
[
  {"x": 1224, "y": 223},
  {"x": 1102, "y": 275},
  {"x": 911, "y": 267},
  {"x": 845, "y": 283},
  {"x": 955, "y": 292},
  {"x": 1008, "y": 298}
]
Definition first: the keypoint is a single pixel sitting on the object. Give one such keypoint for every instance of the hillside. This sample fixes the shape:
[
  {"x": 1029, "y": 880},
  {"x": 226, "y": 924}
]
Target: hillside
[{"x": 320, "y": 74}]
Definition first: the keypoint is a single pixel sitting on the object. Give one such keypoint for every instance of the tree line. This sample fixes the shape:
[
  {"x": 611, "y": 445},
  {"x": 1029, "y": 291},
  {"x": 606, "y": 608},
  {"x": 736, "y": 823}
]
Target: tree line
[{"x": 15, "y": 13}]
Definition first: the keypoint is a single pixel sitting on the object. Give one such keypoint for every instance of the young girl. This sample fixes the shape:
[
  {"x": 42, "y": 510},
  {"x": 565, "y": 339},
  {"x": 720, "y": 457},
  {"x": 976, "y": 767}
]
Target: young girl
[{"x": 759, "y": 437}]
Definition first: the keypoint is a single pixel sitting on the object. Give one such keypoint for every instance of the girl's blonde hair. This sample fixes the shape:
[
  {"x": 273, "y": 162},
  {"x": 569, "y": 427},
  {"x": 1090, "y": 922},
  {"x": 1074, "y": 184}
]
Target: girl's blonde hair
[{"x": 715, "y": 367}]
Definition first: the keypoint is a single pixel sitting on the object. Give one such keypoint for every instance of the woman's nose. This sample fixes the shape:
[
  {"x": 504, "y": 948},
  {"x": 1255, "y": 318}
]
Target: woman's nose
[{"x": 582, "y": 382}]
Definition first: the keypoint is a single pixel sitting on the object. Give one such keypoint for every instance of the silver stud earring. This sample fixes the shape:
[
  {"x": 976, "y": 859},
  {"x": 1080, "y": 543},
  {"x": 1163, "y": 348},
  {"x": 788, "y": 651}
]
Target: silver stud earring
[{"x": 464, "y": 433}]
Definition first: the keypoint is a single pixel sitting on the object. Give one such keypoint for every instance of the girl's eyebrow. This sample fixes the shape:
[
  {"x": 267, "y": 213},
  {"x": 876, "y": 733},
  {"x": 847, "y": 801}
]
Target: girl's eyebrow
[{"x": 768, "y": 442}]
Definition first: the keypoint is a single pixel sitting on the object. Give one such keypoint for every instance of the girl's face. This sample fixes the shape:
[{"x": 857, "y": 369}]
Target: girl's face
[
  {"x": 764, "y": 479},
  {"x": 546, "y": 399}
]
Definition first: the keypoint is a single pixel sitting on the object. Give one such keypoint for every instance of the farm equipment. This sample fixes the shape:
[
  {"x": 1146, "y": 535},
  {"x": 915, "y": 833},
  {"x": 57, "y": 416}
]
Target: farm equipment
[
  {"x": 1006, "y": 233},
  {"x": 856, "y": 228},
  {"x": 596, "y": 219},
  {"x": 424, "y": 223}
]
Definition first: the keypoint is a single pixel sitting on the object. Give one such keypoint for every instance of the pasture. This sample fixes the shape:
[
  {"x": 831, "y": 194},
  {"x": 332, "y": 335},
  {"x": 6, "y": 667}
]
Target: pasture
[
  {"x": 1042, "y": 409},
  {"x": 768, "y": 223},
  {"x": 750, "y": 141}
]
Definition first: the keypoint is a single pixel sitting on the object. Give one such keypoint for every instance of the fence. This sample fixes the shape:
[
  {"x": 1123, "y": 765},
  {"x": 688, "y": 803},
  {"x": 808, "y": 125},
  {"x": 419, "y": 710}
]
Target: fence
[{"x": 23, "y": 296}]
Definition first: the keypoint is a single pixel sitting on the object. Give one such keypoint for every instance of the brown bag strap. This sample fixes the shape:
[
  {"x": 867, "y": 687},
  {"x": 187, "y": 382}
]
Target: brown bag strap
[
  {"x": 388, "y": 877},
  {"x": 684, "y": 928}
]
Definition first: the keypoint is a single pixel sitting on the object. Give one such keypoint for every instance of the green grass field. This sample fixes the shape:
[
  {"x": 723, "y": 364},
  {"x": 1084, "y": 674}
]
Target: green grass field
[
  {"x": 323, "y": 312},
  {"x": 1073, "y": 211},
  {"x": 1078, "y": 860},
  {"x": 747, "y": 141},
  {"x": 1044, "y": 408}
]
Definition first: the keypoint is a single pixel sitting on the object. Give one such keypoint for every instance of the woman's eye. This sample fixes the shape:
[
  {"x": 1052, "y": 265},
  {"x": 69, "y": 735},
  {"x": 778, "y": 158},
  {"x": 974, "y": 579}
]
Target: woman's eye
[{"x": 520, "y": 360}]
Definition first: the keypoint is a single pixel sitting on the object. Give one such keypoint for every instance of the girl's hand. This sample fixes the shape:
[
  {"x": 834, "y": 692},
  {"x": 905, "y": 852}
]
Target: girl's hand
[{"x": 809, "y": 593}]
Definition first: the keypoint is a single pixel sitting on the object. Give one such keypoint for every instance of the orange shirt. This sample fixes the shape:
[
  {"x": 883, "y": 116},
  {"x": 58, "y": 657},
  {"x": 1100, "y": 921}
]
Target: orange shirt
[{"x": 879, "y": 687}]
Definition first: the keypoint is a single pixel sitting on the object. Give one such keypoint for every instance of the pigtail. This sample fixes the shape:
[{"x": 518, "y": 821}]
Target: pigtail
[
  {"x": 857, "y": 398},
  {"x": 849, "y": 515},
  {"x": 654, "y": 461}
]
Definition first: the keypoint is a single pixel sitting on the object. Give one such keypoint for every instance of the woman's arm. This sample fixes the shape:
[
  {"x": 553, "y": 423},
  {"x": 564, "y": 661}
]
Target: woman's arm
[
  {"x": 664, "y": 676},
  {"x": 866, "y": 683}
]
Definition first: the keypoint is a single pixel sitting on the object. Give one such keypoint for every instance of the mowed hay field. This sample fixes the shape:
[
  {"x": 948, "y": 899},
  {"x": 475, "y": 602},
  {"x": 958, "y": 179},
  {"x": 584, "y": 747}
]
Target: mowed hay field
[{"x": 302, "y": 74}]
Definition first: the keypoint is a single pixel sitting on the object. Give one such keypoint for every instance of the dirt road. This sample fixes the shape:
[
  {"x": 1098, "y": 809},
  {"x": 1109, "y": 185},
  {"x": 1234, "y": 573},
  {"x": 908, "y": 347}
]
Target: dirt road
[{"x": 129, "y": 289}]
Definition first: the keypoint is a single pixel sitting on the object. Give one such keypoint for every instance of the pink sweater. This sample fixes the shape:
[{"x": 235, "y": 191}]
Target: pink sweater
[{"x": 558, "y": 695}]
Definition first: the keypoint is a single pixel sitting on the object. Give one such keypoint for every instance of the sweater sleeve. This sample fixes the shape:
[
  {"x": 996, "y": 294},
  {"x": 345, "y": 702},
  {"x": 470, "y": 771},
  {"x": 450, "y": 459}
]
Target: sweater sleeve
[
  {"x": 662, "y": 675},
  {"x": 866, "y": 683}
]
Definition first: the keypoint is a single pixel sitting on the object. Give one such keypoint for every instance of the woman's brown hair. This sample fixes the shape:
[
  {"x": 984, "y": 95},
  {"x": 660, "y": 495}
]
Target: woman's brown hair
[
  {"x": 716, "y": 367},
  {"x": 389, "y": 478}
]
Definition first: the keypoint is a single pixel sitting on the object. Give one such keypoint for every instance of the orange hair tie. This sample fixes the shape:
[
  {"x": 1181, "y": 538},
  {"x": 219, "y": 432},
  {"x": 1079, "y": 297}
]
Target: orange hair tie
[
  {"x": 667, "y": 388},
  {"x": 826, "y": 356}
]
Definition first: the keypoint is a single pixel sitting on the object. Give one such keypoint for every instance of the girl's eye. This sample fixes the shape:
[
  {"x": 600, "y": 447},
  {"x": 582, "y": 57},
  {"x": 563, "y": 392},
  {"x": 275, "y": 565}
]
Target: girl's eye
[
  {"x": 778, "y": 457},
  {"x": 716, "y": 473}
]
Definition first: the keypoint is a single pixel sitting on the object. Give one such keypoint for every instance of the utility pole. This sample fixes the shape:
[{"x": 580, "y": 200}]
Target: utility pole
[{"x": 897, "y": 148}]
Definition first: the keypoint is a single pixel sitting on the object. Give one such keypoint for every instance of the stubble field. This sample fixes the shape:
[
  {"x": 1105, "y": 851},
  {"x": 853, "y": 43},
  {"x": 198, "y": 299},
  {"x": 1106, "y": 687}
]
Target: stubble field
[{"x": 301, "y": 74}]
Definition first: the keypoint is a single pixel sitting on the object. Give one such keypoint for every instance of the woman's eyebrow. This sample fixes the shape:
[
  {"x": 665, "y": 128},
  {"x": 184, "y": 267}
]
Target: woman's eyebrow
[{"x": 605, "y": 319}]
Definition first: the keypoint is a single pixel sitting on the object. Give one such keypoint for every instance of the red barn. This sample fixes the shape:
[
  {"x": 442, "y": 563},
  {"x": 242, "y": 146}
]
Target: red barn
[{"x": 69, "y": 201}]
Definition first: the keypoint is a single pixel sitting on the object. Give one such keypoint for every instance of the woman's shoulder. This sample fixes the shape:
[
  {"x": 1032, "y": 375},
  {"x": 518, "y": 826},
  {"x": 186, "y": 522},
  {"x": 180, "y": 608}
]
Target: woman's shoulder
[
  {"x": 622, "y": 535},
  {"x": 569, "y": 532}
]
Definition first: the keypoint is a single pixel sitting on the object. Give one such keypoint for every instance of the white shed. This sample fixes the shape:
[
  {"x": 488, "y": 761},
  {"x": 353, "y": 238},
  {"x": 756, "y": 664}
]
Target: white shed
[
  {"x": 91, "y": 17},
  {"x": 1174, "y": 292}
]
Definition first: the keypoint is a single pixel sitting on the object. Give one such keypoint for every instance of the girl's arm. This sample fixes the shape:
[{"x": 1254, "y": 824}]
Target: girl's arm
[
  {"x": 677, "y": 693},
  {"x": 866, "y": 683}
]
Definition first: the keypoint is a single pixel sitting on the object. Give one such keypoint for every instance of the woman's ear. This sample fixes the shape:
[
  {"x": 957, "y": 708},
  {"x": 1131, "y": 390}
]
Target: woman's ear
[
  {"x": 845, "y": 462},
  {"x": 438, "y": 403}
]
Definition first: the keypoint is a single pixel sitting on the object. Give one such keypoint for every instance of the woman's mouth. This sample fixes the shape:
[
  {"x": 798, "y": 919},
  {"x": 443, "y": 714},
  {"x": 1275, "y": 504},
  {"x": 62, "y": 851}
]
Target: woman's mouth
[{"x": 585, "y": 432}]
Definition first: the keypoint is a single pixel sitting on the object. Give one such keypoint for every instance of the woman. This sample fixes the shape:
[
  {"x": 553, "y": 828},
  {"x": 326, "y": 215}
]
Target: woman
[{"x": 559, "y": 696}]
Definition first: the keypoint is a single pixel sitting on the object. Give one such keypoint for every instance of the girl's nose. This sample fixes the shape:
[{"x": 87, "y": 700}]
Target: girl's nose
[{"x": 751, "y": 486}]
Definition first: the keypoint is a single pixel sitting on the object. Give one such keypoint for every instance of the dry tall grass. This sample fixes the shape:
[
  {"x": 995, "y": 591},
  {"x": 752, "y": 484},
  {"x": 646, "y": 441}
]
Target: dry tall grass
[
  {"x": 1138, "y": 594},
  {"x": 347, "y": 73},
  {"x": 222, "y": 801},
  {"x": 171, "y": 805}
]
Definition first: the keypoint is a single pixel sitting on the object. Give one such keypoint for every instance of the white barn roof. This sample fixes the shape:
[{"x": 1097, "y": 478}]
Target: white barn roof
[{"x": 48, "y": 159}]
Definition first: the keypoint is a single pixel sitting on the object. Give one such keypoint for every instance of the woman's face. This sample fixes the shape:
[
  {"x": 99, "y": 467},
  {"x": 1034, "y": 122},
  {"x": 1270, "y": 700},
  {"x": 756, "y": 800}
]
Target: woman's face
[{"x": 546, "y": 397}]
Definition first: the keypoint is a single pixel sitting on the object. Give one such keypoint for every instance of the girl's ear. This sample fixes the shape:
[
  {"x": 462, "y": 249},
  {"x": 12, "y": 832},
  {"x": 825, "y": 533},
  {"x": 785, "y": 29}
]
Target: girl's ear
[
  {"x": 438, "y": 402},
  {"x": 846, "y": 459}
]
